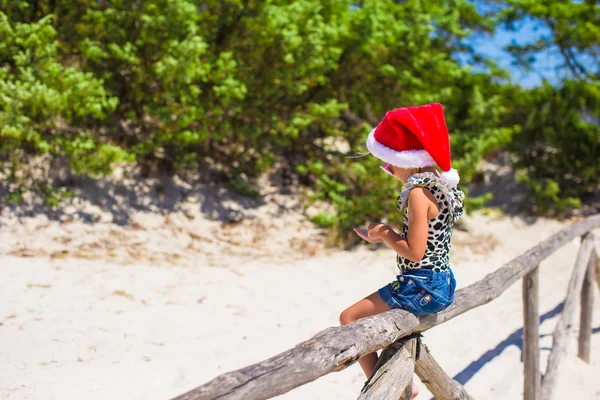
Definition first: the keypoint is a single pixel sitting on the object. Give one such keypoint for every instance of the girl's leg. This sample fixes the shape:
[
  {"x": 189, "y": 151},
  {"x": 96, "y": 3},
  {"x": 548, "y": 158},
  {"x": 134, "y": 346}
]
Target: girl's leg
[{"x": 371, "y": 305}]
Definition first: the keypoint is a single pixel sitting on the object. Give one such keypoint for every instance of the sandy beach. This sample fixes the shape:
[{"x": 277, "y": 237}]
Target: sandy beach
[
  {"x": 86, "y": 313},
  {"x": 181, "y": 184}
]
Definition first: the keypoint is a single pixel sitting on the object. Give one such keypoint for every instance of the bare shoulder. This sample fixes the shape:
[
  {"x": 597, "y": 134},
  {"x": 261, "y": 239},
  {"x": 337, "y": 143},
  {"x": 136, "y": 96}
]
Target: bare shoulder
[
  {"x": 421, "y": 196},
  {"x": 420, "y": 193}
]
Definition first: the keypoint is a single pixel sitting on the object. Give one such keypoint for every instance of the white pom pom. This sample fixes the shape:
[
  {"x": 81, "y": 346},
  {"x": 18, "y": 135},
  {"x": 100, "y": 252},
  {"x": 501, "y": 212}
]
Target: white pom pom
[{"x": 450, "y": 178}]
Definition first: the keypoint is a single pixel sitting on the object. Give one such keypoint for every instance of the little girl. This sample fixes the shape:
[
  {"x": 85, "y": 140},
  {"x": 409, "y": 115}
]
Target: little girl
[{"x": 412, "y": 141}]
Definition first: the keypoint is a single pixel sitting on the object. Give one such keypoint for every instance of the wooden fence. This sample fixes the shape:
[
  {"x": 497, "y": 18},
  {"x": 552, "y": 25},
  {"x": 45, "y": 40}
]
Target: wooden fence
[{"x": 397, "y": 332}]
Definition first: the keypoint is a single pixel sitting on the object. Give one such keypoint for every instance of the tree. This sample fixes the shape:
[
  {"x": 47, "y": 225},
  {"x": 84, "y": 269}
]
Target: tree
[
  {"x": 244, "y": 85},
  {"x": 559, "y": 147}
]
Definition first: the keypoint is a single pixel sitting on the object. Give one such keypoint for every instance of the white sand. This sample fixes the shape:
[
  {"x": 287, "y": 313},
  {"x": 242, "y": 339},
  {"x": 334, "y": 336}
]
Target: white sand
[{"x": 112, "y": 328}]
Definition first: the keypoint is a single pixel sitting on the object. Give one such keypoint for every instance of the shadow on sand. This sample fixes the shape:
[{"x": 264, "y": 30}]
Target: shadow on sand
[
  {"x": 514, "y": 339},
  {"x": 130, "y": 191}
]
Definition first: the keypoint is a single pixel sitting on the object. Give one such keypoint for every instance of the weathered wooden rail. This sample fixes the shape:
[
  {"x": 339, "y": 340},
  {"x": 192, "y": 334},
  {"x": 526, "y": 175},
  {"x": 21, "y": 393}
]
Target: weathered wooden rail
[{"x": 396, "y": 331}]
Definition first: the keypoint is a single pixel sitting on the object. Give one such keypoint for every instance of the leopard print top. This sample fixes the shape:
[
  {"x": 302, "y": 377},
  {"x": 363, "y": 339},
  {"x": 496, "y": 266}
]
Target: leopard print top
[{"x": 450, "y": 202}]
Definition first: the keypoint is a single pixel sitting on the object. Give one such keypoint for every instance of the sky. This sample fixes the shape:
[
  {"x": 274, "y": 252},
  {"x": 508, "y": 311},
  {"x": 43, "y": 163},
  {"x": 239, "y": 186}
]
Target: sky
[
  {"x": 493, "y": 47},
  {"x": 547, "y": 63}
]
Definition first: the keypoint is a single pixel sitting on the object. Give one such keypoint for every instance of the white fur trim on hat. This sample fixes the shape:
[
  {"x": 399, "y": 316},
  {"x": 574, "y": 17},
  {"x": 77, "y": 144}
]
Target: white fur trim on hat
[
  {"x": 450, "y": 178},
  {"x": 401, "y": 159}
]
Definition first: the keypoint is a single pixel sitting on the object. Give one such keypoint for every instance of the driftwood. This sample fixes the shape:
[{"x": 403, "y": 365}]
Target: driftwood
[
  {"x": 411, "y": 346},
  {"x": 597, "y": 273},
  {"x": 336, "y": 348},
  {"x": 437, "y": 381},
  {"x": 531, "y": 336},
  {"x": 393, "y": 373},
  {"x": 587, "y": 308},
  {"x": 567, "y": 317},
  {"x": 330, "y": 350}
]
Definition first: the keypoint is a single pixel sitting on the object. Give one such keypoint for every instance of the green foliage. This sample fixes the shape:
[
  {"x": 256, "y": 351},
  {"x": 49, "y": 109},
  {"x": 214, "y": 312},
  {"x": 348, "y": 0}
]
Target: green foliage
[
  {"x": 476, "y": 203},
  {"x": 242, "y": 83},
  {"x": 574, "y": 33},
  {"x": 403, "y": 54},
  {"x": 243, "y": 187},
  {"x": 53, "y": 196},
  {"x": 325, "y": 219},
  {"x": 559, "y": 144},
  {"x": 248, "y": 85},
  {"x": 15, "y": 196},
  {"x": 559, "y": 147},
  {"x": 43, "y": 104},
  {"x": 547, "y": 195}
]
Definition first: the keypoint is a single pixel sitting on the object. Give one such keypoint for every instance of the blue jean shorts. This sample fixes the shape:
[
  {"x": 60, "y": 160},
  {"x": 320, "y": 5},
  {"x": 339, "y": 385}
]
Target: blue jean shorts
[{"x": 420, "y": 291}]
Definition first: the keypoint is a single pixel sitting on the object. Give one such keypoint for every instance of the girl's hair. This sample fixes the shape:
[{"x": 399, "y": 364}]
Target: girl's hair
[{"x": 358, "y": 155}]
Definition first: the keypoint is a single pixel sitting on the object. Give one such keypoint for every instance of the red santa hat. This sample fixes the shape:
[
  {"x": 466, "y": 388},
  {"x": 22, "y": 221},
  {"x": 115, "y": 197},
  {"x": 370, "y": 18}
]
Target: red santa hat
[{"x": 414, "y": 137}]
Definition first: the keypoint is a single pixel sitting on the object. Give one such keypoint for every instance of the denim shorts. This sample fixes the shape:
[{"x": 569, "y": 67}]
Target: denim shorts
[{"x": 420, "y": 291}]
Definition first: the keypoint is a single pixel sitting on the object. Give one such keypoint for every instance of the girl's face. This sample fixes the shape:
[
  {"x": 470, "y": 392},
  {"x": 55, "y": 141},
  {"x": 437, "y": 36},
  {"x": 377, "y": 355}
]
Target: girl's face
[{"x": 402, "y": 174}]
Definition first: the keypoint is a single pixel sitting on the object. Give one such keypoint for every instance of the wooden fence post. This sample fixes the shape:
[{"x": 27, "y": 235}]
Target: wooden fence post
[
  {"x": 566, "y": 320},
  {"x": 435, "y": 378},
  {"x": 393, "y": 372},
  {"x": 587, "y": 307},
  {"x": 531, "y": 336},
  {"x": 597, "y": 273},
  {"x": 411, "y": 346}
]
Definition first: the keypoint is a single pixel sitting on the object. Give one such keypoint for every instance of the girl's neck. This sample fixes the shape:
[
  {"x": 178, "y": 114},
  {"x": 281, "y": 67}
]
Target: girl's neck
[{"x": 431, "y": 169}]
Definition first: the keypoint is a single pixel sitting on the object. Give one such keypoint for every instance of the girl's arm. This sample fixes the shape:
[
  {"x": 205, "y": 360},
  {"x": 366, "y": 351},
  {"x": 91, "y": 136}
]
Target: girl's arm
[{"x": 412, "y": 247}]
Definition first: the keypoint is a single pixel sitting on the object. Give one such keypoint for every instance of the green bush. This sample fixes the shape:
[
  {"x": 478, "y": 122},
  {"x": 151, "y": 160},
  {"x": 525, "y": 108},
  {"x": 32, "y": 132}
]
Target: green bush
[
  {"x": 243, "y": 86},
  {"x": 47, "y": 108},
  {"x": 559, "y": 146}
]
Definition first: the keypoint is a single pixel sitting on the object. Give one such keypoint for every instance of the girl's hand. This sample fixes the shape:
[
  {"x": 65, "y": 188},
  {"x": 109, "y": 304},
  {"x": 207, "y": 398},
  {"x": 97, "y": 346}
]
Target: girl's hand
[
  {"x": 375, "y": 229},
  {"x": 365, "y": 235},
  {"x": 372, "y": 235}
]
